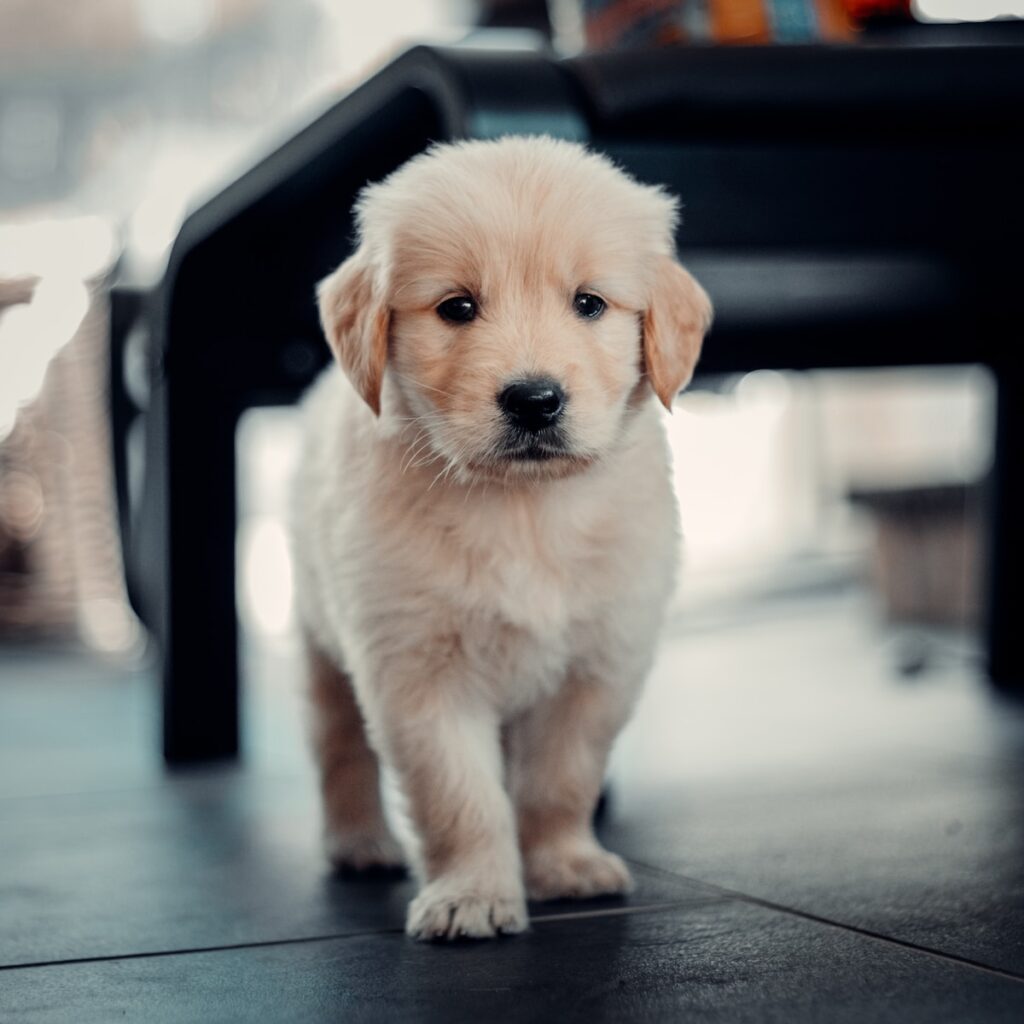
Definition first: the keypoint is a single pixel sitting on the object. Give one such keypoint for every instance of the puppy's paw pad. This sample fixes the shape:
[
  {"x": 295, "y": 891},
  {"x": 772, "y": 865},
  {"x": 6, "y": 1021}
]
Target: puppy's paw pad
[
  {"x": 576, "y": 872},
  {"x": 439, "y": 913},
  {"x": 364, "y": 852}
]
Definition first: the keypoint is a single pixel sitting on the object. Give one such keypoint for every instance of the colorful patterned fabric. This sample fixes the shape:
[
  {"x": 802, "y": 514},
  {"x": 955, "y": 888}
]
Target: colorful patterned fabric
[{"x": 625, "y": 24}]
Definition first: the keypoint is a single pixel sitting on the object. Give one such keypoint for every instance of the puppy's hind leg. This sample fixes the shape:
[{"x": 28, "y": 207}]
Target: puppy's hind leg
[{"x": 356, "y": 833}]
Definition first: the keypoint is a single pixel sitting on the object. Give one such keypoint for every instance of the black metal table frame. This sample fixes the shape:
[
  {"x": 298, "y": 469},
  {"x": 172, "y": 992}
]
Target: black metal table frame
[{"x": 234, "y": 324}]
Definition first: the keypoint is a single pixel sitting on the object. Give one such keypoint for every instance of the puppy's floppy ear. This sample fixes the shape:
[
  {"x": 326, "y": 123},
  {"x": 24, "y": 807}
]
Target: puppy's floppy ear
[
  {"x": 356, "y": 320},
  {"x": 677, "y": 318}
]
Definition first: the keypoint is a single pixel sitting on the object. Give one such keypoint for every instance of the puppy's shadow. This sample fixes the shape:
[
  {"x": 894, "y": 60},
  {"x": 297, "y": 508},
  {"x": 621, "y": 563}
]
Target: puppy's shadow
[
  {"x": 375, "y": 898},
  {"x": 377, "y": 874}
]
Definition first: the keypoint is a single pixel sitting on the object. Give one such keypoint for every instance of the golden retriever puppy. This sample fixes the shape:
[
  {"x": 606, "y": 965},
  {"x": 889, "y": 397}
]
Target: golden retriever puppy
[{"x": 484, "y": 527}]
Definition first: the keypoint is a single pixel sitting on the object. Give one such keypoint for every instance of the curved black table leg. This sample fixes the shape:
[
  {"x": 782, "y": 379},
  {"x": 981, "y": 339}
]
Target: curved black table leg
[{"x": 1006, "y": 538}]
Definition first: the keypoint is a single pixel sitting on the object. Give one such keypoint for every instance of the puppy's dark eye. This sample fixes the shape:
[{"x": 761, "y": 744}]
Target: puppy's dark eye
[
  {"x": 459, "y": 310},
  {"x": 588, "y": 306}
]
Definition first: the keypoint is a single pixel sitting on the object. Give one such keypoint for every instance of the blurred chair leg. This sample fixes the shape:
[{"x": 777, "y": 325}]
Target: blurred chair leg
[
  {"x": 1006, "y": 539},
  {"x": 200, "y": 657}
]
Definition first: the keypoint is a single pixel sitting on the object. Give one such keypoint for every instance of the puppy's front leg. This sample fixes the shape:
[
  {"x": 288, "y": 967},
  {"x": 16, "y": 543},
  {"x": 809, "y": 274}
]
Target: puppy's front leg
[
  {"x": 557, "y": 758},
  {"x": 444, "y": 746}
]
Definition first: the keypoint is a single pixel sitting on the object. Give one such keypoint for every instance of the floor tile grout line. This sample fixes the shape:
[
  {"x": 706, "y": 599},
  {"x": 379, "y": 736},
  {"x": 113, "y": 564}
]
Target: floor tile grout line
[
  {"x": 625, "y": 911},
  {"x": 741, "y": 897},
  {"x": 154, "y": 954},
  {"x": 915, "y": 947},
  {"x": 646, "y": 908}
]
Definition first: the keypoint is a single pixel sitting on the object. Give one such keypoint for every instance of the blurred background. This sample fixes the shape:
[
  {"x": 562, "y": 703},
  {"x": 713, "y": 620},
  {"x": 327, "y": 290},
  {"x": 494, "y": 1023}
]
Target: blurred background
[{"x": 118, "y": 116}]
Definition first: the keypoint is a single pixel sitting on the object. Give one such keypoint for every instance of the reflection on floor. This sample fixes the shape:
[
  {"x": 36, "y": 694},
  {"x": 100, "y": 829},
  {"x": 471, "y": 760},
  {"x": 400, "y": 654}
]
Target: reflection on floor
[{"x": 815, "y": 837}]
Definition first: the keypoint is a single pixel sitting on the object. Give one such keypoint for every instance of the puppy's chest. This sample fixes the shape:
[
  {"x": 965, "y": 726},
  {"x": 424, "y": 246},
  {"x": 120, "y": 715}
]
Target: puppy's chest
[
  {"x": 537, "y": 576},
  {"x": 515, "y": 600}
]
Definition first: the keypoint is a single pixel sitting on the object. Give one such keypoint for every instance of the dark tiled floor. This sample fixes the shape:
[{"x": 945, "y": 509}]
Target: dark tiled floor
[
  {"x": 725, "y": 962},
  {"x": 815, "y": 838}
]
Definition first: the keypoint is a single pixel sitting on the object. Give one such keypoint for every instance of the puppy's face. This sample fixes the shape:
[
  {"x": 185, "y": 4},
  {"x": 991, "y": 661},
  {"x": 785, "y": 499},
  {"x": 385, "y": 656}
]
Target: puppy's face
[
  {"x": 513, "y": 301},
  {"x": 515, "y": 336}
]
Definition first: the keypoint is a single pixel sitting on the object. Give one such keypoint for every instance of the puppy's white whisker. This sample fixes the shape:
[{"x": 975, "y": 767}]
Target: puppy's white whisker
[
  {"x": 414, "y": 458},
  {"x": 427, "y": 460}
]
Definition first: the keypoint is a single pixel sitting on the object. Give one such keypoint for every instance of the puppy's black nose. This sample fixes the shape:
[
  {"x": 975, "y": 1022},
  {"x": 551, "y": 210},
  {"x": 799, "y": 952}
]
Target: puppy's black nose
[{"x": 533, "y": 404}]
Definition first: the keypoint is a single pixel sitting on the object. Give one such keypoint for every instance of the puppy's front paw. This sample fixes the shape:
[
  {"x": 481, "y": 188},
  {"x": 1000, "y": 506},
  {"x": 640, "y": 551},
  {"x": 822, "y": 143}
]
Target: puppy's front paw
[
  {"x": 575, "y": 870},
  {"x": 364, "y": 851},
  {"x": 447, "y": 910}
]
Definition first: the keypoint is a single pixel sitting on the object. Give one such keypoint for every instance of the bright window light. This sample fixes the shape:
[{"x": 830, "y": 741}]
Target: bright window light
[{"x": 967, "y": 10}]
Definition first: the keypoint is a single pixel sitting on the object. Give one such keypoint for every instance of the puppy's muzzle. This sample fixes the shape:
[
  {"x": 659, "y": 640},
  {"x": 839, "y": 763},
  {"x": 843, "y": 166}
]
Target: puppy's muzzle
[{"x": 533, "y": 405}]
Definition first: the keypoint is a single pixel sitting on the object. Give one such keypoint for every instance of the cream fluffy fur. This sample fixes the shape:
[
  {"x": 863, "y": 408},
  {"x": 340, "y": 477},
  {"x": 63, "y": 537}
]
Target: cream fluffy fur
[{"x": 480, "y": 624}]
